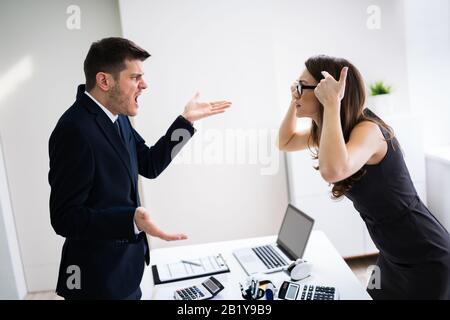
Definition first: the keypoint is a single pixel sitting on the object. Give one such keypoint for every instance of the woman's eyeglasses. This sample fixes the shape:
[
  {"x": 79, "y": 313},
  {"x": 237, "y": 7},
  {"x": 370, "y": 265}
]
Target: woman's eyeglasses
[{"x": 301, "y": 87}]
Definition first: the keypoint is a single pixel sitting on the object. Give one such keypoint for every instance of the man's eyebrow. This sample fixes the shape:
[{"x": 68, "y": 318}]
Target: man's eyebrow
[
  {"x": 137, "y": 74},
  {"x": 303, "y": 81}
]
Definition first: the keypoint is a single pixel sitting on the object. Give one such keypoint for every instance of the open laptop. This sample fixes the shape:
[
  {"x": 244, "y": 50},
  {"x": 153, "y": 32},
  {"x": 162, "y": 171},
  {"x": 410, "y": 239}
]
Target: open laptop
[{"x": 291, "y": 243}]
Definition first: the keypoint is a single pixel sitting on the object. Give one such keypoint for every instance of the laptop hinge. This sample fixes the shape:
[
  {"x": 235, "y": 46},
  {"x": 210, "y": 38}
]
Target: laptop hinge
[{"x": 282, "y": 249}]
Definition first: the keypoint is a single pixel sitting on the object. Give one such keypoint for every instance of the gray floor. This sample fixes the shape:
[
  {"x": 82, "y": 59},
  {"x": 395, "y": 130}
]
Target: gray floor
[{"x": 358, "y": 265}]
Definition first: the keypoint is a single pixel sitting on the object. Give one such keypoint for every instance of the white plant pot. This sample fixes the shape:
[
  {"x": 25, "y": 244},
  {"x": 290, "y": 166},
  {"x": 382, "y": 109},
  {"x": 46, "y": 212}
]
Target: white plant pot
[{"x": 381, "y": 105}]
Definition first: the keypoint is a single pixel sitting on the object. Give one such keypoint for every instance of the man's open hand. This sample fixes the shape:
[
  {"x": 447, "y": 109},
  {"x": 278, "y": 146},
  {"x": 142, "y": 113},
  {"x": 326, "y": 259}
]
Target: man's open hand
[
  {"x": 145, "y": 223},
  {"x": 196, "y": 110}
]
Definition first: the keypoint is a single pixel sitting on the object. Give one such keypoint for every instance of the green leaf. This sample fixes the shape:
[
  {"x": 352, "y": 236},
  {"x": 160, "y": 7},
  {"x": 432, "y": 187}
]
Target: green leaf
[{"x": 378, "y": 88}]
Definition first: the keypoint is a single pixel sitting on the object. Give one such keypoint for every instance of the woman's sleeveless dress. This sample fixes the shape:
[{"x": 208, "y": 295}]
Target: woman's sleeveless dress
[{"x": 414, "y": 259}]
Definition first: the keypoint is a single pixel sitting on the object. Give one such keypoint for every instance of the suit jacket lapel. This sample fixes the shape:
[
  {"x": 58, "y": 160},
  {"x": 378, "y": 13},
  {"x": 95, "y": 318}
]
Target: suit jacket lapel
[
  {"x": 110, "y": 133},
  {"x": 107, "y": 128}
]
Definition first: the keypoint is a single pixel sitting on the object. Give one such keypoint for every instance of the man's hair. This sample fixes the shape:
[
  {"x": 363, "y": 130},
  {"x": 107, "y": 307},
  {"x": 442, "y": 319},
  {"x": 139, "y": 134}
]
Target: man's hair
[{"x": 109, "y": 55}]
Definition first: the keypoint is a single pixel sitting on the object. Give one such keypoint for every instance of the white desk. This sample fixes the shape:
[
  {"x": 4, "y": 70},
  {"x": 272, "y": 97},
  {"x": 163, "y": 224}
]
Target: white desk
[{"x": 328, "y": 268}]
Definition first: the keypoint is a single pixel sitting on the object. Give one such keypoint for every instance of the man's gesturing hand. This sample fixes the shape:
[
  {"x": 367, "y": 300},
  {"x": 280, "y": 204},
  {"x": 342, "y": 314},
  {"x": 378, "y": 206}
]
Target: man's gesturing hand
[
  {"x": 145, "y": 223},
  {"x": 196, "y": 110}
]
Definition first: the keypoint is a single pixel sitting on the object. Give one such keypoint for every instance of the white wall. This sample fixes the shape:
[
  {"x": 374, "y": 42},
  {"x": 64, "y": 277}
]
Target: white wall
[
  {"x": 428, "y": 44},
  {"x": 41, "y": 64},
  {"x": 428, "y": 56},
  {"x": 339, "y": 28},
  {"x": 223, "y": 49}
]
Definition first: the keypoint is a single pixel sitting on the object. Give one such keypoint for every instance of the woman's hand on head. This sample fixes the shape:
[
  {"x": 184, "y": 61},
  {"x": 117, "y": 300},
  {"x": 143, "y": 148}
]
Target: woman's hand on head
[
  {"x": 294, "y": 92},
  {"x": 330, "y": 92}
]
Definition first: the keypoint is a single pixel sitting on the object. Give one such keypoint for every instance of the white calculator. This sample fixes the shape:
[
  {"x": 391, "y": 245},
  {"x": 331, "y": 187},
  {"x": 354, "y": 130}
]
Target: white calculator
[
  {"x": 206, "y": 290},
  {"x": 296, "y": 291}
]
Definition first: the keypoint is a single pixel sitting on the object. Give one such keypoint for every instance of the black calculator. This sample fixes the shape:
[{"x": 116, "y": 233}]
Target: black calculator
[{"x": 206, "y": 290}]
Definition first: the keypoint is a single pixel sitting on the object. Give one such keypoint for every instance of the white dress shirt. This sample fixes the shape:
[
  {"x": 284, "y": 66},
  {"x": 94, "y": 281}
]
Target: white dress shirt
[{"x": 113, "y": 118}]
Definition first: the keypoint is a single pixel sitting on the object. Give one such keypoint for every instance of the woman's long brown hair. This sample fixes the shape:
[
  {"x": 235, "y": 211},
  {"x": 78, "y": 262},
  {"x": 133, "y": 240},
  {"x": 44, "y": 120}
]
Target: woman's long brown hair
[{"x": 352, "y": 110}]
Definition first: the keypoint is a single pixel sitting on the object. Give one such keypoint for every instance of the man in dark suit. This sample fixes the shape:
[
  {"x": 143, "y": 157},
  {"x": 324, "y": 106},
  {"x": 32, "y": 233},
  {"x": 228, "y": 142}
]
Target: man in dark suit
[{"x": 95, "y": 158}]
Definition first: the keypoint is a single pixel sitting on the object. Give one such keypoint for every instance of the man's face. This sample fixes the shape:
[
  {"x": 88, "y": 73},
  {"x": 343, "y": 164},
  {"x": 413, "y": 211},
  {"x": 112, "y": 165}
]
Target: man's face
[{"x": 129, "y": 85}]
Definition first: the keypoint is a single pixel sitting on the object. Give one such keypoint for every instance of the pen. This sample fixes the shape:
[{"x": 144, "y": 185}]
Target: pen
[
  {"x": 252, "y": 287},
  {"x": 191, "y": 262}
]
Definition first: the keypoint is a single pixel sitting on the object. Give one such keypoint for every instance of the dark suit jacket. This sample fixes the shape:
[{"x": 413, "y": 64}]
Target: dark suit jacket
[{"x": 94, "y": 193}]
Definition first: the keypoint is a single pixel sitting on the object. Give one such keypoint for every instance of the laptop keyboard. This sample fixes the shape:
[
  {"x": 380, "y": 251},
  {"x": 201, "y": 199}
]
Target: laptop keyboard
[{"x": 269, "y": 256}]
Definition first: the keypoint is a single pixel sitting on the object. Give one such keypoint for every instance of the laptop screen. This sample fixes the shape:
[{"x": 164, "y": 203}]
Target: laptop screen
[{"x": 294, "y": 232}]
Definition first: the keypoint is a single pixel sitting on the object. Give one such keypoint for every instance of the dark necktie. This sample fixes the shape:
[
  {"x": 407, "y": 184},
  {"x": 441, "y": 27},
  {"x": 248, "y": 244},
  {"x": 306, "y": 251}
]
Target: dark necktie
[{"x": 116, "y": 124}]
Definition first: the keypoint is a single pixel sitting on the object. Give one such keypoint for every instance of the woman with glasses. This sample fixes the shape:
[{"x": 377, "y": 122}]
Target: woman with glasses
[{"x": 360, "y": 157}]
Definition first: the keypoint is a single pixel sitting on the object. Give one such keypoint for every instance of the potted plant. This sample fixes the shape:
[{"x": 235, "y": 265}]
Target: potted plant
[{"x": 380, "y": 99}]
